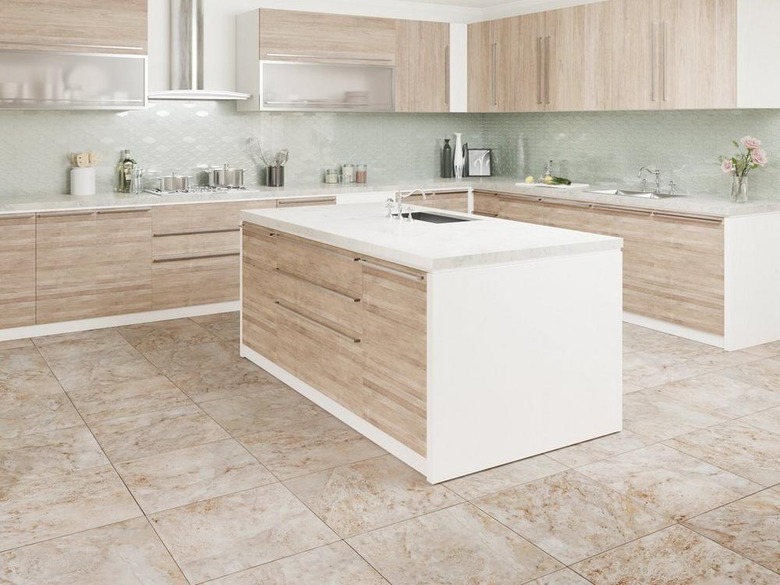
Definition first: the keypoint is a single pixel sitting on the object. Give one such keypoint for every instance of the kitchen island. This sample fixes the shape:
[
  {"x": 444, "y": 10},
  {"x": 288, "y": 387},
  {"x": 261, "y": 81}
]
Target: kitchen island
[{"x": 456, "y": 346}]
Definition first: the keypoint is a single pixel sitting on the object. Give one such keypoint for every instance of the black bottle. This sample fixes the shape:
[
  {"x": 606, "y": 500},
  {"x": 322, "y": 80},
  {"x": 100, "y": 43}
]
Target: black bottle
[{"x": 446, "y": 160}]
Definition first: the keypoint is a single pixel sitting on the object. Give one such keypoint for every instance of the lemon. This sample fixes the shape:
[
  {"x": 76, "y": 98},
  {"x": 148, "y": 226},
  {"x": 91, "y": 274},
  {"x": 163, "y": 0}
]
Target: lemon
[
  {"x": 548, "y": 180},
  {"x": 529, "y": 179}
]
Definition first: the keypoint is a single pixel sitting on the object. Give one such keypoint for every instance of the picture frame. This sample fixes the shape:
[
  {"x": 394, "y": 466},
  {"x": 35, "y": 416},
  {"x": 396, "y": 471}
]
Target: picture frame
[{"x": 479, "y": 162}]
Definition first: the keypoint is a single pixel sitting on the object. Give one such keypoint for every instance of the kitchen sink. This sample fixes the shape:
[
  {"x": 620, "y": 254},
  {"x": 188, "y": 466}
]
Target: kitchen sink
[
  {"x": 633, "y": 193},
  {"x": 436, "y": 218}
]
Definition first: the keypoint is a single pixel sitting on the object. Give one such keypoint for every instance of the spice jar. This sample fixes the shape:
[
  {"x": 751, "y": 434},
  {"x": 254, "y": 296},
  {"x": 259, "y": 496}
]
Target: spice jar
[
  {"x": 361, "y": 173},
  {"x": 331, "y": 176},
  {"x": 348, "y": 173}
]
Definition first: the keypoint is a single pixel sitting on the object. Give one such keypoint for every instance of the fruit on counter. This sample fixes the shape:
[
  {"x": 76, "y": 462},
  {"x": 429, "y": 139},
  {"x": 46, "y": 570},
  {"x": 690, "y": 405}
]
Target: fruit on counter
[
  {"x": 550, "y": 180},
  {"x": 529, "y": 179}
]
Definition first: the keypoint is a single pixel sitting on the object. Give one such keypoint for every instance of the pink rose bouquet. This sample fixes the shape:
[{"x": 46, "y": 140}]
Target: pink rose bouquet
[{"x": 749, "y": 156}]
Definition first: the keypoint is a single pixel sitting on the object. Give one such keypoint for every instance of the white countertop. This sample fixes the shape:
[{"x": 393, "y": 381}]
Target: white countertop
[
  {"x": 710, "y": 206},
  {"x": 363, "y": 228}
]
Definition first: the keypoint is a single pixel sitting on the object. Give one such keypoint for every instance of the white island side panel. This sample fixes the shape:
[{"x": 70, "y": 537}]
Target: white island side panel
[{"x": 522, "y": 359}]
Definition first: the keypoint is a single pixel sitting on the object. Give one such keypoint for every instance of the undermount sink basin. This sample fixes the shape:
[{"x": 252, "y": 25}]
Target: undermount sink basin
[
  {"x": 436, "y": 218},
  {"x": 633, "y": 193}
]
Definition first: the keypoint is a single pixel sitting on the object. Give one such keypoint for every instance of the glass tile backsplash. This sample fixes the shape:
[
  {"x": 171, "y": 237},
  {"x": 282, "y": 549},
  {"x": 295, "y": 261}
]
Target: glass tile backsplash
[{"x": 593, "y": 147}]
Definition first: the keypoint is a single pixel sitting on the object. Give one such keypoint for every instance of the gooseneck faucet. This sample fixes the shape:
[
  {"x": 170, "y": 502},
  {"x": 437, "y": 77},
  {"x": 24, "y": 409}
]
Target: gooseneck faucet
[
  {"x": 656, "y": 172},
  {"x": 395, "y": 207}
]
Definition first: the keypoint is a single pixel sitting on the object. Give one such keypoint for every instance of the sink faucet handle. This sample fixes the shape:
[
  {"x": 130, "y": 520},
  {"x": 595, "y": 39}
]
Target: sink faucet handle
[
  {"x": 672, "y": 188},
  {"x": 389, "y": 206}
]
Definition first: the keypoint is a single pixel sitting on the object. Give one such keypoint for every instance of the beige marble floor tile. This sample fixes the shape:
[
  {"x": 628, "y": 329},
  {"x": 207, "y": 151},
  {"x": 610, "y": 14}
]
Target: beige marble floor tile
[
  {"x": 212, "y": 371},
  {"x": 47, "y": 454},
  {"x": 500, "y": 478},
  {"x": 139, "y": 396},
  {"x": 37, "y": 510},
  {"x": 721, "y": 395},
  {"x": 100, "y": 369},
  {"x": 460, "y": 544},
  {"x": 766, "y": 350},
  {"x": 763, "y": 373},
  {"x": 650, "y": 369},
  {"x": 736, "y": 447},
  {"x": 31, "y": 412},
  {"x": 24, "y": 369},
  {"x": 368, "y": 495},
  {"x": 16, "y": 344},
  {"x": 656, "y": 416},
  {"x": 750, "y": 527},
  {"x": 562, "y": 577},
  {"x": 670, "y": 482},
  {"x": 628, "y": 388},
  {"x": 769, "y": 420},
  {"x": 232, "y": 533},
  {"x": 142, "y": 435},
  {"x": 636, "y": 338},
  {"x": 322, "y": 443},
  {"x": 270, "y": 409},
  {"x": 126, "y": 553},
  {"x": 148, "y": 337},
  {"x": 334, "y": 564},
  {"x": 598, "y": 449},
  {"x": 675, "y": 555},
  {"x": 79, "y": 343},
  {"x": 226, "y": 326},
  {"x": 570, "y": 516},
  {"x": 191, "y": 475}
]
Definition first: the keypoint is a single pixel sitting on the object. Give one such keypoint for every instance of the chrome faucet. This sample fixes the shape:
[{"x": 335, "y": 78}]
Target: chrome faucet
[
  {"x": 395, "y": 207},
  {"x": 656, "y": 172}
]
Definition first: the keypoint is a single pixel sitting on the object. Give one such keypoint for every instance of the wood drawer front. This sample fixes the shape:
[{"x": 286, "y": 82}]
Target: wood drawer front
[
  {"x": 332, "y": 268},
  {"x": 307, "y": 202},
  {"x": 328, "y": 360},
  {"x": 486, "y": 203},
  {"x": 453, "y": 201},
  {"x": 92, "y": 264},
  {"x": 189, "y": 218},
  {"x": 525, "y": 210},
  {"x": 259, "y": 290},
  {"x": 674, "y": 308},
  {"x": 341, "y": 311},
  {"x": 305, "y": 36},
  {"x": 196, "y": 245},
  {"x": 259, "y": 246},
  {"x": 395, "y": 346},
  {"x": 17, "y": 270},
  {"x": 189, "y": 282}
]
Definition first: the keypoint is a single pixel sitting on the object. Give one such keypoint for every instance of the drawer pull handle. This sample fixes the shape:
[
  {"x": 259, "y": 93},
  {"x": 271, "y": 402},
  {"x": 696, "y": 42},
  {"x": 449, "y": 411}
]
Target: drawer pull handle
[
  {"x": 394, "y": 271},
  {"x": 316, "y": 323},
  {"x": 698, "y": 218},
  {"x": 11, "y": 216},
  {"x": 485, "y": 214},
  {"x": 199, "y": 257},
  {"x": 318, "y": 285},
  {"x": 225, "y": 231},
  {"x": 119, "y": 211},
  {"x": 293, "y": 202},
  {"x": 55, "y": 214}
]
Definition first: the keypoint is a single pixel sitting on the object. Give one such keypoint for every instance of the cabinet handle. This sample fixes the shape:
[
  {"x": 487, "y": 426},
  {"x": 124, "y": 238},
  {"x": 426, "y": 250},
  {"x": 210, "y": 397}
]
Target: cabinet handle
[
  {"x": 317, "y": 324},
  {"x": 318, "y": 285},
  {"x": 447, "y": 76},
  {"x": 624, "y": 210},
  {"x": 46, "y": 214},
  {"x": 120, "y": 211},
  {"x": 16, "y": 216},
  {"x": 493, "y": 66},
  {"x": 330, "y": 57},
  {"x": 519, "y": 197},
  {"x": 653, "y": 60},
  {"x": 199, "y": 257},
  {"x": 664, "y": 56},
  {"x": 172, "y": 234},
  {"x": 547, "y": 69},
  {"x": 708, "y": 219},
  {"x": 394, "y": 271},
  {"x": 74, "y": 46},
  {"x": 485, "y": 214},
  {"x": 539, "y": 70},
  {"x": 567, "y": 203},
  {"x": 283, "y": 202}
]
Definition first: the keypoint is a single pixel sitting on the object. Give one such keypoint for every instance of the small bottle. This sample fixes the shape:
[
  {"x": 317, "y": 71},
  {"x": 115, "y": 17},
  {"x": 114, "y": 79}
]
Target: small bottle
[
  {"x": 348, "y": 173},
  {"x": 446, "y": 160},
  {"x": 124, "y": 173},
  {"x": 548, "y": 171},
  {"x": 361, "y": 173}
]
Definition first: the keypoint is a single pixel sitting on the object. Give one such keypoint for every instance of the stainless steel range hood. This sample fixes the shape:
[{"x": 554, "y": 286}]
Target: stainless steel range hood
[{"x": 186, "y": 57}]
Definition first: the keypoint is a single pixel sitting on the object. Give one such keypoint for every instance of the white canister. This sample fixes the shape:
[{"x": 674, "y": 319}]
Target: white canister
[
  {"x": 348, "y": 173},
  {"x": 82, "y": 181}
]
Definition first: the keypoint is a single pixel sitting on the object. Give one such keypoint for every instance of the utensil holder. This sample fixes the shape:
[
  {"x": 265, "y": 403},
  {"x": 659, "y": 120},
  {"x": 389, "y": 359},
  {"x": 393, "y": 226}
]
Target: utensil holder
[
  {"x": 82, "y": 181},
  {"x": 274, "y": 176}
]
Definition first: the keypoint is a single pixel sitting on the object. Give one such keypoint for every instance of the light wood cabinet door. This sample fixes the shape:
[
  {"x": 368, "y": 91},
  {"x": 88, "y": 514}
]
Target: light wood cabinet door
[
  {"x": 93, "y": 264},
  {"x": 636, "y": 55},
  {"x": 452, "y": 201},
  {"x": 577, "y": 57},
  {"x": 258, "y": 312},
  {"x": 522, "y": 70},
  {"x": 422, "y": 66},
  {"x": 486, "y": 203},
  {"x": 481, "y": 65},
  {"x": 287, "y": 35},
  {"x": 108, "y": 26},
  {"x": 698, "y": 54},
  {"x": 17, "y": 270}
]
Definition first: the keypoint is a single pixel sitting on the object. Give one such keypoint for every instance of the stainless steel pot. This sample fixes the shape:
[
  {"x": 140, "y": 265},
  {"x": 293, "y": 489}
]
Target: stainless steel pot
[
  {"x": 174, "y": 182},
  {"x": 226, "y": 176}
]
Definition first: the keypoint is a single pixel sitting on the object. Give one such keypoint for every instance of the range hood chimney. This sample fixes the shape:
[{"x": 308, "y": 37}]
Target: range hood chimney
[{"x": 186, "y": 57}]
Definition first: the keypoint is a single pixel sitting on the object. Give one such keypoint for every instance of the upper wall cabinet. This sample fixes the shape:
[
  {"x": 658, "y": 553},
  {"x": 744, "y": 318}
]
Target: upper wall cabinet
[
  {"x": 305, "y": 36},
  {"x": 422, "y": 72},
  {"x": 674, "y": 54},
  {"x": 107, "y": 26}
]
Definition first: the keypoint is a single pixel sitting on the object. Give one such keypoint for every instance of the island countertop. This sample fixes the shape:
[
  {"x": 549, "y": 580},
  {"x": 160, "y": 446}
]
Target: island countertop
[{"x": 430, "y": 247}]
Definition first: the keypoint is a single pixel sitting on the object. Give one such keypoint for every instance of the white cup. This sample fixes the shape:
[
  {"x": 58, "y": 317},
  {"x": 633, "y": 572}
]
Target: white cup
[{"x": 82, "y": 181}]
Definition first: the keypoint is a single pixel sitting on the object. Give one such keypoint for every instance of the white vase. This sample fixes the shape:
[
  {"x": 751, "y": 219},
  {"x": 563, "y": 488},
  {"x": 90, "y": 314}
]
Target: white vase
[
  {"x": 457, "y": 156},
  {"x": 82, "y": 181}
]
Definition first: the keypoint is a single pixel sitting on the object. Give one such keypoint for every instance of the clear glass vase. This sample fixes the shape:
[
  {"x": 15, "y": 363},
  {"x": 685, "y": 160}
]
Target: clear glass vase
[{"x": 739, "y": 188}]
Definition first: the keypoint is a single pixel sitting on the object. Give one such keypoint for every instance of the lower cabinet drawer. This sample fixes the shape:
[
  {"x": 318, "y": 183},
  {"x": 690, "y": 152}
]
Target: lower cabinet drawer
[
  {"x": 203, "y": 244},
  {"x": 329, "y": 360},
  {"x": 449, "y": 201},
  {"x": 195, "y": 281},
  {"x": 329, "y": 267}
]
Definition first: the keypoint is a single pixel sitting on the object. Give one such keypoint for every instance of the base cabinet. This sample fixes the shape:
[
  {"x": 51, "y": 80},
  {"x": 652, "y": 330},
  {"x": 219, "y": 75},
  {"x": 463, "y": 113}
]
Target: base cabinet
[{"x": 17, "y": 270}]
